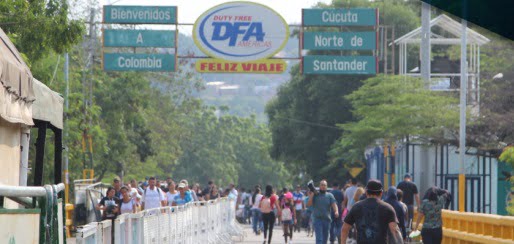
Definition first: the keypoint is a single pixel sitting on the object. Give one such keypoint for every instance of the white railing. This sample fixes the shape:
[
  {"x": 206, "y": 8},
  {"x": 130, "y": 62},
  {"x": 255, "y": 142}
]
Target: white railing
[{"x": 197, "y": 222}]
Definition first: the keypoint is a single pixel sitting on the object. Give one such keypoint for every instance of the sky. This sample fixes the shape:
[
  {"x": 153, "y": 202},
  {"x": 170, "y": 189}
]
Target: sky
[{"x": 190, "y": 10}]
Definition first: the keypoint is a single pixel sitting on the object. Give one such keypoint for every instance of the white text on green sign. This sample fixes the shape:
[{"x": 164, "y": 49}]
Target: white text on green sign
[
  {"x": 317, "y": 64},
  {"x": 139, "y": 38},
  {"x": 139, "y": 62},
  {"x": 339, "y": 40},
  {"x": 140, "y": 14},
  {"x": 340, "y": 17}
]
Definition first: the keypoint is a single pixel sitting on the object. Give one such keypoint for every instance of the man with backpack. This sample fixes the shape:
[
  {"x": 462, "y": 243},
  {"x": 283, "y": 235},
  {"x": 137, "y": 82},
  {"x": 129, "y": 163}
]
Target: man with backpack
[{"x": 152, "y": 196}]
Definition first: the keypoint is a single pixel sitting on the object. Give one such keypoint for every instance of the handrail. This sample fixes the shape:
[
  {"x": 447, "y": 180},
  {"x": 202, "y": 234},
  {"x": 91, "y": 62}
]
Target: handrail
[
  {"x": 468, "y": 227},
  {"x": 27, "y": 191}
]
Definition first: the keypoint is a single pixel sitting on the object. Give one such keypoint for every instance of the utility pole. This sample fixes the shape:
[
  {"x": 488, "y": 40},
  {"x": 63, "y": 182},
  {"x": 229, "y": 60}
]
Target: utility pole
[
  {"x": 462, "y": 127},
  {"x": 87, "y": 86},
  {"x": 66, "y": 128},
  {"x": 425, "y": 42}
]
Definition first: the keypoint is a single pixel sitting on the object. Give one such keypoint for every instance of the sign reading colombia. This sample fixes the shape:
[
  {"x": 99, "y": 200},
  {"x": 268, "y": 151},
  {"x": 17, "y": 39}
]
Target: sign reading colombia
[{"x": 240, "y": 36}]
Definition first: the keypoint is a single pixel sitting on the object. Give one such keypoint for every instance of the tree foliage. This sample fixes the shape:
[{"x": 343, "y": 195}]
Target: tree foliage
[
  {"x": 304, "y": 115},
  {"x": 40, "y": 26},
  {"x": 393, "y": 107}
]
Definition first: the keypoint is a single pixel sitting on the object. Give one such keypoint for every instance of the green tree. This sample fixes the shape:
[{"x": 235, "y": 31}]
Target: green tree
[
  {"x": 39, "y": 27},
  {"x": 393, "y": 107},
  {"x": 304, "y": 115}
]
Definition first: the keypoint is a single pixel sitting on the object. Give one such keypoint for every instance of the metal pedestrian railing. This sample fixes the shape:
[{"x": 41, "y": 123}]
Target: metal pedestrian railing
[{"x": 196, "y": 222}]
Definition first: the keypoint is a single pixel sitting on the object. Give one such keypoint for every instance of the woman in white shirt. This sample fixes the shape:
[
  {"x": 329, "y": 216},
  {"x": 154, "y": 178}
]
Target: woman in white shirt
[
  {"x": 170, "y": 195},
  {"x": 127, "y": 203},
  {"x": 255, "y": 200}
]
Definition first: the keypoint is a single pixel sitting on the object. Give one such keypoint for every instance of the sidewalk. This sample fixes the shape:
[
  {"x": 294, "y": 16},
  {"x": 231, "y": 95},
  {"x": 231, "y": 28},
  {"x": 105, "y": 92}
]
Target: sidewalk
[
  {"x": 251, "y": 238},
  {"x": 298, "y": 238}
]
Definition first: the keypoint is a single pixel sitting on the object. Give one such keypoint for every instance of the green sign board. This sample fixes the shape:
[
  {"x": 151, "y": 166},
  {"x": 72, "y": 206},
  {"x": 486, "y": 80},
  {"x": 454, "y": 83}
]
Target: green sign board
[
  {"x": 139, "y": 62},
  {"x": 339, "y": 40},
  {"x": 340, "y": 17},
  {"x": 139, "y": 38},
  {"x": 117, "y": 14},
  {"x": 317, "y": 64}
]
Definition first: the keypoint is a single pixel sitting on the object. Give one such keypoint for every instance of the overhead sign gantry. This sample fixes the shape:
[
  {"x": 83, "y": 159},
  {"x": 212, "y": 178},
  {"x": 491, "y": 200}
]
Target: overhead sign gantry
[{"x": 119, "y": 60}]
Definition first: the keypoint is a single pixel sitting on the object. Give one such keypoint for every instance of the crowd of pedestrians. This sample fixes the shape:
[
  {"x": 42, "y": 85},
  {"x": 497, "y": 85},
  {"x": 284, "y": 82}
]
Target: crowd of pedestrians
[{"x": 366, "y": 214}]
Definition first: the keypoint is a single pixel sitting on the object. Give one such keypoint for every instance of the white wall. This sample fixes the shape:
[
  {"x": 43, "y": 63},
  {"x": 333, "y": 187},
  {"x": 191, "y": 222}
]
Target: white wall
[{"x": 10, "y": 156}]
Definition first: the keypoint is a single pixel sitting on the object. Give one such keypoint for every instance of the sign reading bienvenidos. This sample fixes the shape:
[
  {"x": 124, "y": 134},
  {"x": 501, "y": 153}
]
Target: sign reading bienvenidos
[
  {"x": 114, "y": 14},
  {"x": 240, "y": 36},
  {"x": 117, "y": 14},
  {"x": 358, "y": 41}
]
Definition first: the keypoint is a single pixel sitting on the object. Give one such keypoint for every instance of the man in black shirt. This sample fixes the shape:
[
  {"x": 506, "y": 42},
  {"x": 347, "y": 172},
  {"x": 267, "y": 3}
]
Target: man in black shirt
[
  {"x": 372, "y": 218},
  {"x": 410, "y": 191}
]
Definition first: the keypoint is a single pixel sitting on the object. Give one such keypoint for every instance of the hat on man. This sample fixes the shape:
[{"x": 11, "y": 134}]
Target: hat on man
[
  {"x": 181, "y": 185},
  {"x": 407, "y": 176},
  {"x": 374, "y": 186}
]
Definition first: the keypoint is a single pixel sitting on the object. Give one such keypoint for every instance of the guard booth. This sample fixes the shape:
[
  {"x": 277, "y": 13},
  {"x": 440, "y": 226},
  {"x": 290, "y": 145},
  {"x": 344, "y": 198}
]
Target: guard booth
[{"x": 35, "y": 213}]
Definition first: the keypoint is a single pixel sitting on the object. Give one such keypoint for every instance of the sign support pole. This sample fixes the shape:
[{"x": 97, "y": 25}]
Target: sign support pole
[{"x": 462, "y": 127}]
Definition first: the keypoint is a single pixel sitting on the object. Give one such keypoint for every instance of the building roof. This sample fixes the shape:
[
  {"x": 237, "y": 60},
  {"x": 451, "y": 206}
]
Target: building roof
[{"x": 448, "y": 24}]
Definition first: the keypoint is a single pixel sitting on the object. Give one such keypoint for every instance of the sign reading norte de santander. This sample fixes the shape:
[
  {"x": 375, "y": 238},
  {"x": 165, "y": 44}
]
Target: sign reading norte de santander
[
  {"x": 118, "y": 14},
  {"x": 240, "y": 36}
]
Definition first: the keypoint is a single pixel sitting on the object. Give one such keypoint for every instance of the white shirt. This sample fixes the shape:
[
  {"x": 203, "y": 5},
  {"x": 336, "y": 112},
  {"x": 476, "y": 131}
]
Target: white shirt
[
  {"x": 349, "y": 195},
  {"x": 258, "y": 198},
  {"x": 170, "y": 197},
  {"x": 134, "y": 193},
  {"x": 152, "y": 198},
  {"x": 127, "y": 207}
]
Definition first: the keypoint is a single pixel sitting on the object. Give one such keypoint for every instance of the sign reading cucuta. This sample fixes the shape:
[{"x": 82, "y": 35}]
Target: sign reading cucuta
[{"x": 240, "y": 36}]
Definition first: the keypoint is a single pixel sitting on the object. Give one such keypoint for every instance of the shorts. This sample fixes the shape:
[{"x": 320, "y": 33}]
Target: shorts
[{"x": 287, "y": 222}]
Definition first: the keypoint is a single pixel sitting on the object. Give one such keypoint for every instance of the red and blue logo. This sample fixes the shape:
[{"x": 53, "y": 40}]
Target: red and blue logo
[{"x": 240, "y": 31}]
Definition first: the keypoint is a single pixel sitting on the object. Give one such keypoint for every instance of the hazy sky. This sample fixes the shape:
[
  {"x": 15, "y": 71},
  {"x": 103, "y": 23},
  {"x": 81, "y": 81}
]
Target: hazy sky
[{"x": 190, "y": 10}]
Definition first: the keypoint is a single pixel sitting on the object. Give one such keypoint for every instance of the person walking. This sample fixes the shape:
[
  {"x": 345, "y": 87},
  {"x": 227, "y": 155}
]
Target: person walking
[
  {"x": 392, "y": 198},
  {"x": 410, "y": 192},
  {"x": 172, "y": 192},
  {"x": 152, "y": 196},
  {"x": 214, "y": 193},
  {"x": 399, "y": 194},
  {"x": 322, "y": 202},
  {"x": 288, "y": 218},
  {"x": 298, "y": 206},
  {"x": 337, "y": 223},
  {"x": 116, "y": 183},
  {"x": 373, "y": 218},
  {"x": 268, "y": 203},
  {"x": 348, "y": 194},
  {"x": 431, "y": 209},
  {"x": 109, "y": 205},
  {"x": 308, "y": 215},
  {"x": 257, "y": 224},
  {"x": 127, "y": 203},
  {"x": 182, "y": 198}
]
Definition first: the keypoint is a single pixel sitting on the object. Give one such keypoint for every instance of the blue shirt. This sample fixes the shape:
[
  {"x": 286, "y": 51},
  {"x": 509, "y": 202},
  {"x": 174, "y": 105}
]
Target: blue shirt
[
  {"x": 322, "y": 203},
  {"x": 181, "y": 201},
  {"x": 338, "y": 195}
]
